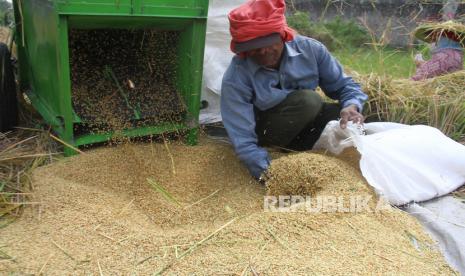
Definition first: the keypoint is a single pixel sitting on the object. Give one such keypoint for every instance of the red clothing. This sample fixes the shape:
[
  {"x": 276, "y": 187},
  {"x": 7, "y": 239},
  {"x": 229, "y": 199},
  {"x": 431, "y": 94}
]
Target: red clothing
[
  {"x": 442, "y": 62},
  {"x": 258, "y": 18}
]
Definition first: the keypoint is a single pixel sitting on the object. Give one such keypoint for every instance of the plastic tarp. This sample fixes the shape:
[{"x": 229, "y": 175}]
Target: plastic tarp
[
  {"x": 444, "y": 219},
  {"x": 217, "y": 57}
]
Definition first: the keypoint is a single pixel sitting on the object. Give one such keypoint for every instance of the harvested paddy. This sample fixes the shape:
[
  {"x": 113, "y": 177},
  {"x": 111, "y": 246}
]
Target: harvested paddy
[{"x": 148, "y": 208}]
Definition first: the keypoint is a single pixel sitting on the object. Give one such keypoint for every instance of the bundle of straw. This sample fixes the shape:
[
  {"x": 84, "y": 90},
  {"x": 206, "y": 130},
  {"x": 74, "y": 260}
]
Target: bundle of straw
[
  {"x": 438, "y": 102},
  {"x": 429, "y": 32}
]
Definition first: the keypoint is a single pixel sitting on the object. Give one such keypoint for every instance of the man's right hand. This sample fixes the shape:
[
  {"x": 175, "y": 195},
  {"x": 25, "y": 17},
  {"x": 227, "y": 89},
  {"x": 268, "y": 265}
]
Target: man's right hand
[{"x": 264, "y": 177}]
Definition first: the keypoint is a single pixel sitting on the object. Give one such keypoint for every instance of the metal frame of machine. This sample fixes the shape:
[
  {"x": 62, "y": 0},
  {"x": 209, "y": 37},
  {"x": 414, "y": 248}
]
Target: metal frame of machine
[{"x": 42, "y": 28}]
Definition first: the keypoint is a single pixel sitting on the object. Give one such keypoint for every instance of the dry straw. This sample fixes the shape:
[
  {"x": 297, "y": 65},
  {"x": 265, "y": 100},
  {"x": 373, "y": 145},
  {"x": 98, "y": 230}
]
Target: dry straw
[
  {"x": 438, "y": 102},
  {"x": 21, "y": 151},
  {"x": 430, "y": 31}
]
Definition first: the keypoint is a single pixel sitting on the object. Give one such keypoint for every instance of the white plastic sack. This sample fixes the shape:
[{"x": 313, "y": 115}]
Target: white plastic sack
[{"x": 402, "y": 163}]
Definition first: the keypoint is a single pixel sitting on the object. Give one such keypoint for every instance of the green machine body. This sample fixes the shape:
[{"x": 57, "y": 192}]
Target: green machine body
[{"x": 42, "y": 35}]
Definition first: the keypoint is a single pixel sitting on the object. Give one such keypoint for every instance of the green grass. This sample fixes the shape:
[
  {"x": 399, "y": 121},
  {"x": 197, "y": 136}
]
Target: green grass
[
  {"x": 350, "y": 42},
  {"x": 396, "y": 63}
]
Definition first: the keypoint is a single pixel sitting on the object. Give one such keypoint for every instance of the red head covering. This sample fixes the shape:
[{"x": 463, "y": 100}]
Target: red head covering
[{"x": 258, "y": 18}]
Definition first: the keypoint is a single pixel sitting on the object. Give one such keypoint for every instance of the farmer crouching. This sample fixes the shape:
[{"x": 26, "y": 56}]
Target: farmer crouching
[
  {"x": 268, "y": 91},
  {"x": 448, "y": 39}
]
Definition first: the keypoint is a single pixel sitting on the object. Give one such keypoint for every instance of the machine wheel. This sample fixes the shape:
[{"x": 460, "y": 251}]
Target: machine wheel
[{"x": 8, "y": 99}]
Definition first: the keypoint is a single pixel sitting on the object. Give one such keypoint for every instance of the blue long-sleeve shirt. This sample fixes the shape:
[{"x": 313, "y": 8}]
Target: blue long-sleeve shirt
[
  {"x": 305, "y": 64},
  {"x": 446, "y": 43}
]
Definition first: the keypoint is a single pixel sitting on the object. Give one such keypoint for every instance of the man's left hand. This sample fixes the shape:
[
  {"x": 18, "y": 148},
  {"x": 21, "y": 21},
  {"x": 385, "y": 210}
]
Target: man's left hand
[{"x": 350, "y": 113}]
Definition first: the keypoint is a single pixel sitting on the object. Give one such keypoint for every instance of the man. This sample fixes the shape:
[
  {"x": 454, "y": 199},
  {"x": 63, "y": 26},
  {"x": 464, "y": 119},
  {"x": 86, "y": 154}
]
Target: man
[{"x": 268, "y": 95}]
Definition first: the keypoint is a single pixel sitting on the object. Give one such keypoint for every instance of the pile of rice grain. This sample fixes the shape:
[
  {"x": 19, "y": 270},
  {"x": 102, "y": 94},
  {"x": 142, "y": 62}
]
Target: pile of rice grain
[
  {"x": 308, "y": 173},
  {"x": 100, "y": 215},
  {"x": 117, "y": 74}
]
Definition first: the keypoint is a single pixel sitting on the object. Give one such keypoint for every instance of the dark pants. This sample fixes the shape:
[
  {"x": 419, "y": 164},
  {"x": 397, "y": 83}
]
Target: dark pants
[{"x": 297, "y": 122}]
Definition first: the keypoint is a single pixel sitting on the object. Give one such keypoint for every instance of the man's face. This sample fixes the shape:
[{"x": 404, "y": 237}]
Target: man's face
[{"x": 269, "y": 56}]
